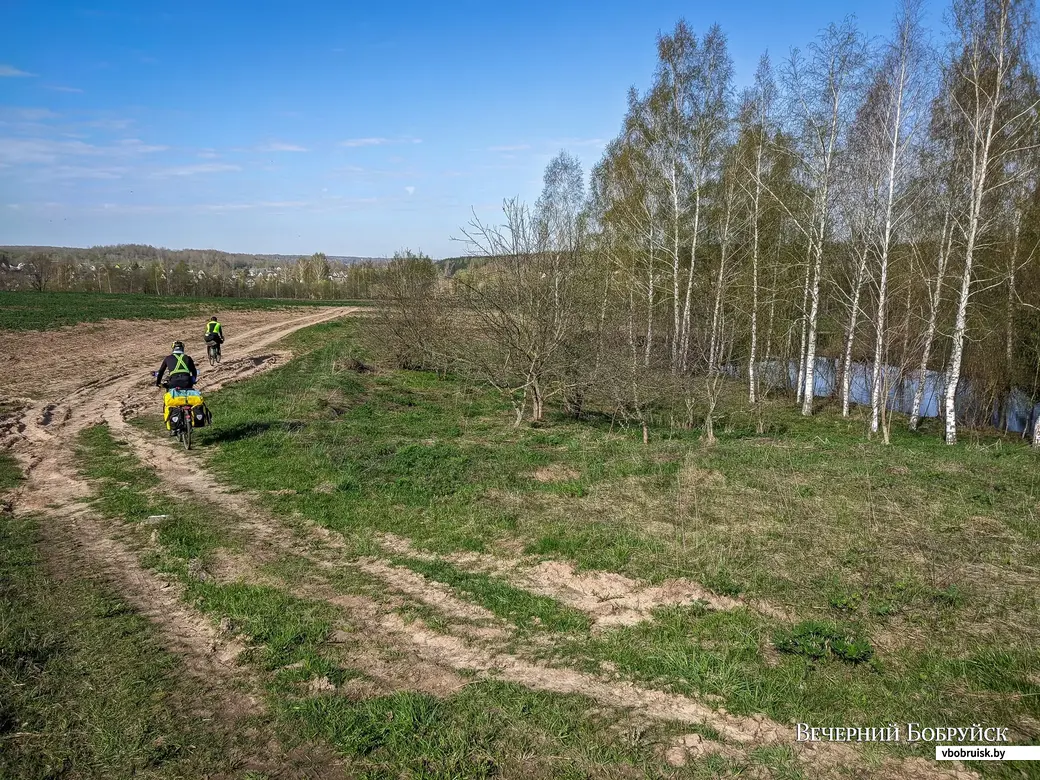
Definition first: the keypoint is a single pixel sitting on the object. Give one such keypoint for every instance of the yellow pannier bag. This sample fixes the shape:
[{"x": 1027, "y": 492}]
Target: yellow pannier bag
[
  {"x": 179, "y": 398},
  {"x": 182, "y": 398}
]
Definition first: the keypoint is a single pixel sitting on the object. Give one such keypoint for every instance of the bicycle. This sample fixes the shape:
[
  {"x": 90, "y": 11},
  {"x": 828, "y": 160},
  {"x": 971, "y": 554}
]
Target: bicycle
[
  {"x": 180, "y": 419},
  {"x": 213, "y": 351}
]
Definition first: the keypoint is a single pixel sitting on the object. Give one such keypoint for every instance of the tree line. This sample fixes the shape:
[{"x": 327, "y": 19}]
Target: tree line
[
  {"x": 135, "y": 268},
  {"x": 868, "y": 210}
]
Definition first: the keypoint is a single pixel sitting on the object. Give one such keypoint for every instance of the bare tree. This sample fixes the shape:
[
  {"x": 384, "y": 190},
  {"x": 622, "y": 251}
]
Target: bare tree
[
  {"x": 821, "y": 91},
  {"x": 991, "y": 129},
  {"x": 526, "y": 299},
  {"x": 41, "y": 269},
  {"x": 889, "y": 120}
]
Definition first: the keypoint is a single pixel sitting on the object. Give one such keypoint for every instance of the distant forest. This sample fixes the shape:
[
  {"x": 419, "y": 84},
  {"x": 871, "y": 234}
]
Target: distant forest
[{"x": 138, "y": 268}]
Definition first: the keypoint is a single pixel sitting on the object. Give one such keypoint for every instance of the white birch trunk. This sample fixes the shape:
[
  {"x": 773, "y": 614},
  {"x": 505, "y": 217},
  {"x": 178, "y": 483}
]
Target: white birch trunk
[
  {"x": 649, "y": 312},
  {"x": 979, "y": 165},
  {"x": 934, "y": 299},
  {"x": 752, "y": 379},
  {"x": 805, "y": 321},
  {"x": 850, "y": 335},
  {"x": 684, "y": 347},
  {"x": 676, "y": 339},
  {"x": 808, "y": 395},
  {"x": 715, "y": 347}
]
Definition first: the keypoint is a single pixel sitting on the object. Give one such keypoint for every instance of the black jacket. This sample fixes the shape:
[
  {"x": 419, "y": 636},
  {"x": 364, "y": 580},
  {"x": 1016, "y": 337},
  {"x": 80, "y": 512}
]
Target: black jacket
[{"x": 169, "y": 365}]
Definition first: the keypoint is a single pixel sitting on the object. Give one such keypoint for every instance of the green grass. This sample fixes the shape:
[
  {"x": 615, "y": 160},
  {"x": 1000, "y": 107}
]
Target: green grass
[
  {"x": 47, "y": 311},
  {"x": 10, "y": 473},
  {"x": 925, "y": 553},
  {"x": 85, "y": 688},
  {"x": 486, "y": 729}
]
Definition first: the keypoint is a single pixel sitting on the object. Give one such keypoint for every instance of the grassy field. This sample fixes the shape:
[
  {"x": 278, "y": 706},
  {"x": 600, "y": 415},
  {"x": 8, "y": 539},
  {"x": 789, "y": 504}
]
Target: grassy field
[
  {"x": 47, "y": 311},
  {"x": 487, "y": 729},
  {"x": 909, "y": 572},
  {"x": 870, "y": 584},
  {"x": 85, "y": 689}
]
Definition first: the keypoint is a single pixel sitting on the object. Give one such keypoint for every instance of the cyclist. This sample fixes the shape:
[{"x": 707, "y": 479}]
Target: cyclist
[
  {"x": 180, "y": 374},
  {"x": 215, "y": 333},
  {"x": 180, "y": 369}
]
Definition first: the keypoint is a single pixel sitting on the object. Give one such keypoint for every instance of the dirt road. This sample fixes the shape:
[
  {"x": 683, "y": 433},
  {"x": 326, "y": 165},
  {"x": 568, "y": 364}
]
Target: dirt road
[
  {"x": 71, "y": 379},
  {"x": 75, "y": 378}
]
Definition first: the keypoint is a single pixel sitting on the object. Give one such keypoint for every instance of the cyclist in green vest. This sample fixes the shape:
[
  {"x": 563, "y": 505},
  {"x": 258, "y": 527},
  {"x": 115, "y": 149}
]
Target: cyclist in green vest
[
  {"x": 214, "y": 333},
  {"x": 179, "y": 368}
]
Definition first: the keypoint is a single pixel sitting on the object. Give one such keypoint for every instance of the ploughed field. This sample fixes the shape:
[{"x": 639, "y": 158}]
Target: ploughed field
[{"x": 367, "y": 572}]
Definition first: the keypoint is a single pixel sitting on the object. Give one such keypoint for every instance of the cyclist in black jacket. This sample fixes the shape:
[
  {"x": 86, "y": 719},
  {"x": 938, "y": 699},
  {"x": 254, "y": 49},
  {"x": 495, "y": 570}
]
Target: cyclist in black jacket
[{"x": 179, "y": 368}]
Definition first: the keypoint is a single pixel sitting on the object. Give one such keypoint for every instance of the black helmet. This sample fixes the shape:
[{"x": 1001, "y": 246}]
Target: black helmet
[
  {"x": 178, "y": 346},
  {"x": 213, "y": 318}
]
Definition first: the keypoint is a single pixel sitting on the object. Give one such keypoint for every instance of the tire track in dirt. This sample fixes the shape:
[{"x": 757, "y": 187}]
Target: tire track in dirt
[{"x": 611, "y": 599}]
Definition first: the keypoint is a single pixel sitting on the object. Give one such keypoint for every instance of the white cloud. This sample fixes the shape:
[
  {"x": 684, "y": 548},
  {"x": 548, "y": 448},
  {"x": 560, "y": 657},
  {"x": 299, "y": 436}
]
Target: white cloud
[
  {"x": 279, "y": 146},
  {"x": 365, "y": 142},
  {"x": 56, "y": 88},
  {"x": 21, "y": 151},
  {"x": 513, "y": 148},
  {"x": 137, "y": 146},
  {"x": 9, "y": 71},
  {"x": 29, "y": 150},
  {"x": 194, "y": 170},
  {"x": 378, "y": 141},
  {"x": 410, "y": 190},
  {"x": 265, "y": 204},
  {"x": 110, "y": 124},
  {"x": 26, "y": 114},
  {"x": 68, "y": 172}
]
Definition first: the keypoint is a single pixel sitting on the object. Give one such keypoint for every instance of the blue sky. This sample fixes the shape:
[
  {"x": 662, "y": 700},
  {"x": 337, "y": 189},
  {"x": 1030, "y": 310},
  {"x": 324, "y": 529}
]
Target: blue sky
[{"x": 343, "y": 127}]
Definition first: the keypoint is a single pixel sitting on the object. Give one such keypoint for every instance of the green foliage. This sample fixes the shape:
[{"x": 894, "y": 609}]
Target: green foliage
[
  {"x": 847, "y": 602},
  {"x": 819, "y": 639},
  {"x": 85, "y": 686}
]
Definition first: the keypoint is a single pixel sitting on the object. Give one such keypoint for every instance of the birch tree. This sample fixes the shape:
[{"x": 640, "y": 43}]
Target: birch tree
[
  {"x": 821, "y": 91},
  {"x": 891, "y": 118},
  {"x": 710, "y": 117},
  {"x": 992, "y": 128},
  {"x": 756, "y": 119}
]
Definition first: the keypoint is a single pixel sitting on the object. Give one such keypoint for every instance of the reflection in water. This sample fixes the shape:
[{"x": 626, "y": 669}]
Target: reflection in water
[{"x": 1019, "y": 408}]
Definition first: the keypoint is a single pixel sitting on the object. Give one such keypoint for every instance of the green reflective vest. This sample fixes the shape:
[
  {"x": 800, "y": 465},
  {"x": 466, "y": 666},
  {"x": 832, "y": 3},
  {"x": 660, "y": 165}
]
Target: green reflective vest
[
  {"x": 213, "y": 327},
  {"x": 181, "y": 367}
]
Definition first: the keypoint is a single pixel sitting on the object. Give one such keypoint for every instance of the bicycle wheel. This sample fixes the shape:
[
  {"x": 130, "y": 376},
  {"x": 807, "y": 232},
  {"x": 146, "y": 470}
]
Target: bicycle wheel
[
  {"x": 213, "y": 359},
  {"x": 186, "y": 435}
]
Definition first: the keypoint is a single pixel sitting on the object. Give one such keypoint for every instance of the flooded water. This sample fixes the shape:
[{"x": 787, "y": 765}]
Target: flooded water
[{"x": 1019, "y": 408}]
